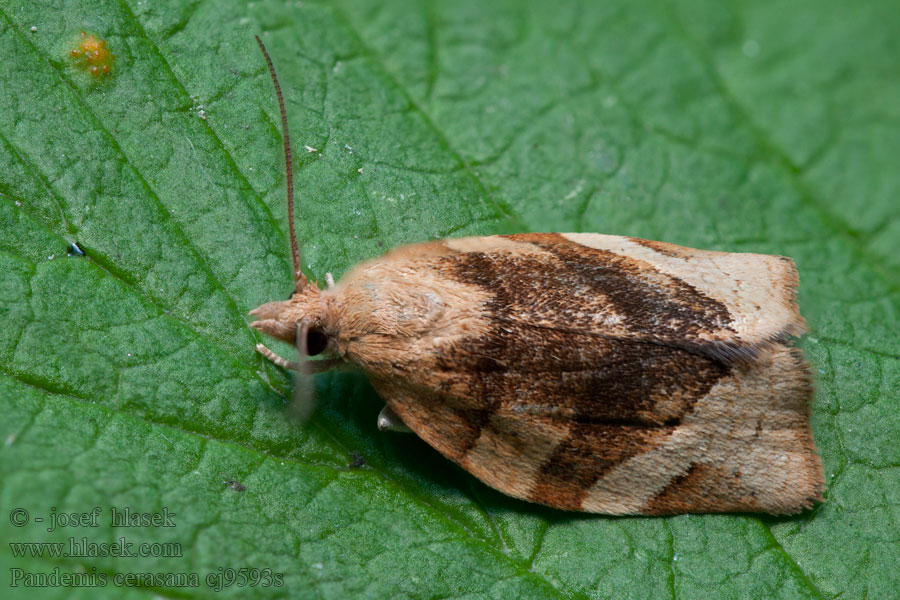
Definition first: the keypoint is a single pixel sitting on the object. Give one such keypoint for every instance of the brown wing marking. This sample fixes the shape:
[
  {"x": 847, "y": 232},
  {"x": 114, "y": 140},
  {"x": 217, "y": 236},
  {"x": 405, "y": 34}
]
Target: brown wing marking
[
  {"x": 746, "y": 446},
  {"x": 743, "y": 442},
  {"x": 759, "y": 290},
  {"x": 585, "y": 455},
  {"x": 568, "y": 287},
  {"x": 700, "y": 485},
  {"x": 543, "y": 430}
]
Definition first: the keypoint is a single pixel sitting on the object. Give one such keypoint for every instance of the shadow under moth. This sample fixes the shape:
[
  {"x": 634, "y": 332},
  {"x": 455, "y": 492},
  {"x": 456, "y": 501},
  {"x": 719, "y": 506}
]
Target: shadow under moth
[{"x": 581, "y": 371}]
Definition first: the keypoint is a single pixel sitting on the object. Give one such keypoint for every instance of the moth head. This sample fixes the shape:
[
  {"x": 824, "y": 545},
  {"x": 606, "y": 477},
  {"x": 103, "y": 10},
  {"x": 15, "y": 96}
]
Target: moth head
[{"x": 281, "y": 320}]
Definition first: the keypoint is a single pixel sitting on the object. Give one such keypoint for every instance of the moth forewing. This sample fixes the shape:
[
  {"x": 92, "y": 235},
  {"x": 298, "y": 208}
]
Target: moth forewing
[{"x": 582, "y": 371}]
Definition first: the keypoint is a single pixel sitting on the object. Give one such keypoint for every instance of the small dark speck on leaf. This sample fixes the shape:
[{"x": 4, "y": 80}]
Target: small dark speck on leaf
[
  {"x": 357, "y": 461},
  {"x": 235, "y": 485}
]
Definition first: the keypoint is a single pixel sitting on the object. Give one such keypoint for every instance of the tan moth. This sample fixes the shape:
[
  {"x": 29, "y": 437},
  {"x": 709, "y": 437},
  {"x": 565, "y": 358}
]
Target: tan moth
[{"x": 581, "y": 371}]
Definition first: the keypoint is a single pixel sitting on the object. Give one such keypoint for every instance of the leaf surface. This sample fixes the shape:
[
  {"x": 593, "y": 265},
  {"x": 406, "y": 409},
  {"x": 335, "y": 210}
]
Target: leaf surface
[{"x": 129, "y": 376}]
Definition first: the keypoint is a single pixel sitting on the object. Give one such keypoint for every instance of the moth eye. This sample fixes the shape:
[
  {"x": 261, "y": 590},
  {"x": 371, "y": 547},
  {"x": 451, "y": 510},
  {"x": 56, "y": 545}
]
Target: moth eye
[{"x": 316, "y": 342}]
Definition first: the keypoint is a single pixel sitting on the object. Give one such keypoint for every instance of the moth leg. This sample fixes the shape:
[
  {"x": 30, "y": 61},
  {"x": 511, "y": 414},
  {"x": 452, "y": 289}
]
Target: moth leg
[
  {"x": 389, "y": 421},
  {"x": 311, "y": 367},
  {"x": 329, "y": 280},
  {"x": 281, "y": 362}
]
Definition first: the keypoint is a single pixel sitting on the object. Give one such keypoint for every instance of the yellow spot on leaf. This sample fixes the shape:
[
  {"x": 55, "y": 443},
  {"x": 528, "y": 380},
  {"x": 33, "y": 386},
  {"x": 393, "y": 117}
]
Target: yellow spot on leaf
[{"x": 92, "y": 55}]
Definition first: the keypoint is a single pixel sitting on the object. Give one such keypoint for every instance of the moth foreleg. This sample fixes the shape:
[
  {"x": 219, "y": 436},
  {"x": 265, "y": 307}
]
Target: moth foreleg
[
  {"x": 281, "y": 362},
  {"x": 311, "y": 367},
  {"x": 389, "y": 421}
]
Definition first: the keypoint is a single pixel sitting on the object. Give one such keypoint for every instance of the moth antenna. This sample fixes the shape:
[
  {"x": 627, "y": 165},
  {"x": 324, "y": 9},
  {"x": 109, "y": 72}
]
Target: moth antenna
[
  {"x": 303, "y": 401},
  {"x": 300, "y": 280}
]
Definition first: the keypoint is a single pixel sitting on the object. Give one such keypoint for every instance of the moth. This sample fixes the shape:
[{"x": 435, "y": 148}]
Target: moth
[{"x": 581, "y": 371}]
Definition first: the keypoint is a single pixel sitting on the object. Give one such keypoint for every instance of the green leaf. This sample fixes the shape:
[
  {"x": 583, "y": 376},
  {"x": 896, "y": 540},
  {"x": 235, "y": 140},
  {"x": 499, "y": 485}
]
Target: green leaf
[{"x": 129, "y": 376}]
